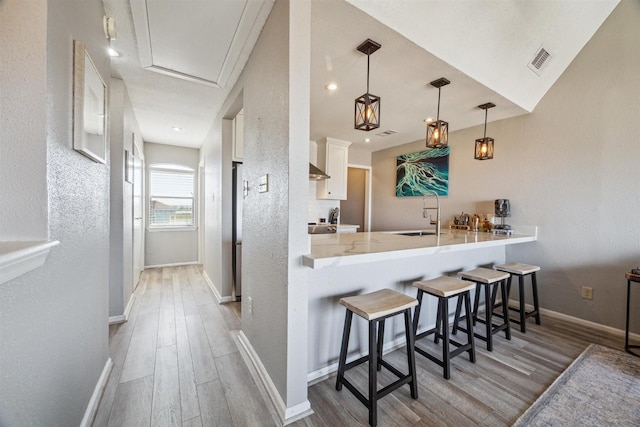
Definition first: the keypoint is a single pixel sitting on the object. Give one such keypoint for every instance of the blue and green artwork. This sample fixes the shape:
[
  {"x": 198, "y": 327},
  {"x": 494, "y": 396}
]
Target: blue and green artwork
[{"x": 425, "y": 170}]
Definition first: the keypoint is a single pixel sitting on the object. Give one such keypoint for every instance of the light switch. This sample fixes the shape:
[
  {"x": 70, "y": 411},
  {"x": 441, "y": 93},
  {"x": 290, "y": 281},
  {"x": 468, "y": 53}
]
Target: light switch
[
  {"x": 245, "y": 188},
  {"x": 263, "y": 185}
]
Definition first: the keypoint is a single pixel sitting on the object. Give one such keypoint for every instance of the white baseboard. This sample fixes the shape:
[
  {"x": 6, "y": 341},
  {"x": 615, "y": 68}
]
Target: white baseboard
[
  {"x": 123, "y": 317},
  {"x": 114, "y": 320},
  {"x": 94, "y": 402},
  {"x": 286, "y": 415},
  {"x": 597, "y": 326},
  {"x": 177, "y": 264},
  {"x": 219, "y": 298}
]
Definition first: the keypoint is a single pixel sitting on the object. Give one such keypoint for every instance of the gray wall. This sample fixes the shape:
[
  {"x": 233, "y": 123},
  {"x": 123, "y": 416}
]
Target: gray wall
[
  {"x": 173, "y": 246},
  {"x": 122, "y": 126},
  {"x": 570, "y": 167},
  {"x": 53, "y": 321},
  {"x": 216, "y": 153},
  {"x": 274, "y": 89}
]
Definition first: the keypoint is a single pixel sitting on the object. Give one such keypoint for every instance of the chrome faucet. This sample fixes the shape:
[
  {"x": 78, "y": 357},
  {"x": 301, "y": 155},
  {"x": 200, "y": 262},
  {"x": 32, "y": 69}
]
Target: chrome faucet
[{"x": 425, "y": 210}]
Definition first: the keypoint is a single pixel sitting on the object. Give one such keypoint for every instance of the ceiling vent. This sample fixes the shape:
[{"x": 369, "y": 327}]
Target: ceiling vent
[
  {"x": 540, "y": 61},
  {"x": 387, "y": 132}
]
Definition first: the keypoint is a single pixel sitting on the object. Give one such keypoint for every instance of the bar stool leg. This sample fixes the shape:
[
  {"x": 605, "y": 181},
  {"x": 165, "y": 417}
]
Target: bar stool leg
[
  {"x": 380, "y": 342},
  {"x": 411, "y": 355},
  {"x": 488, "y": 316},
  {"x": 343, "y": 349},
  {"x": 439, "y": 323},
  {"x": 416, "y": 311},
  {"x": 534, "y": 288},
  {"x": 505, "y": 308},
  {"x": 443, "y": 308},
  {"x": 456, "y": 318},
  {"x": 476, "y": 304},
  {"x": 523, "y": 322},
  {"x": 373, "y": 377},
  {"x": 467, "y": 305}
]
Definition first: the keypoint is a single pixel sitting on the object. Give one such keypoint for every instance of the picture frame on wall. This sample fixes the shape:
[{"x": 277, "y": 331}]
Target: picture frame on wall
[
  {"x": 428, "y": 170},
  {"x": 89, "y": 106},
  {"x": 128, "y": 166}
]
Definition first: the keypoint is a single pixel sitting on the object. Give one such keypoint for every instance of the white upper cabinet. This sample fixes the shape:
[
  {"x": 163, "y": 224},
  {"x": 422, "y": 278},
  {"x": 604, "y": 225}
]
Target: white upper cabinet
[
  {"x": 333, "y": 159},
  {"x": 238, "y": 137}
]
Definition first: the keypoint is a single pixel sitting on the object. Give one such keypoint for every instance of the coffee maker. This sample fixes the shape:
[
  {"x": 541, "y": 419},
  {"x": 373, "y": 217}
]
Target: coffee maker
[{"x": 502, "y": 210}]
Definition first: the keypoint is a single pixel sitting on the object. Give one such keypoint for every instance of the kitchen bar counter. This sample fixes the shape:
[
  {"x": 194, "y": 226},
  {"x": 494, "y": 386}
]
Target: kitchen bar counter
[
  {"x": 367, "y": 262},
  {"x": 333, "y": 250}
]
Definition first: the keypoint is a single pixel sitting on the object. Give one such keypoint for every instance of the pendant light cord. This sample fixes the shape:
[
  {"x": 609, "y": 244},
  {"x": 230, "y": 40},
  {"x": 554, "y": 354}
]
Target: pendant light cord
[
  {"x": 368, "y": 56},
  {"x": 485, "y": 122},
  {"x": 438, "y": 115}
]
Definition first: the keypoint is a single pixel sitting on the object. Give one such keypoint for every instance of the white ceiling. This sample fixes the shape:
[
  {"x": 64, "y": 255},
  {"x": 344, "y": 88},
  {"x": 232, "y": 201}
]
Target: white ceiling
[{"x": 483, "y": 48}]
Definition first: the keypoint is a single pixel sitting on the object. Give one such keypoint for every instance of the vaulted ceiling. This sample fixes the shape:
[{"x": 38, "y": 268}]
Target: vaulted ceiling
[{"x": 180, "y": 59}]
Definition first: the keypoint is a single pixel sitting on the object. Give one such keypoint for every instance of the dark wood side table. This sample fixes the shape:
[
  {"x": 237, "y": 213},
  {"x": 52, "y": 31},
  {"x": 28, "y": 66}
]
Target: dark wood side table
[{"x": 630, "y": 278}]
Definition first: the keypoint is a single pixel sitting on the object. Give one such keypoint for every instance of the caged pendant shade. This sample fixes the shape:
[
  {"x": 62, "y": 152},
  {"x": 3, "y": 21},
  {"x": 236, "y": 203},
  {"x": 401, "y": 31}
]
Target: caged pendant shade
[
  {"x": 438, "y": 131},
  {"x": 367, "y": 106},
  {"x": 484, "y": 145}
]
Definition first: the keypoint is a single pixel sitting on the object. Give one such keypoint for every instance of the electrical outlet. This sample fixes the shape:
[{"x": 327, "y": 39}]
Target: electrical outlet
[
  {"x": 587, "y": 293},
  {"x": 250, "y": 306}
]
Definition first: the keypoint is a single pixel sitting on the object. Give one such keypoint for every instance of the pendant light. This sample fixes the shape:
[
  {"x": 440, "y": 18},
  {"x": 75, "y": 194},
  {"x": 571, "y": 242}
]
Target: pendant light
[
  {"x": 484, "y": 145},
  {"x": 367, "y": 109},
  {"x": 438, "y": 131}
]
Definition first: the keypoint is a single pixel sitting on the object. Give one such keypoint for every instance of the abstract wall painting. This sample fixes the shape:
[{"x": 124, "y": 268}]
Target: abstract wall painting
[{"x": 421, "y": 171}]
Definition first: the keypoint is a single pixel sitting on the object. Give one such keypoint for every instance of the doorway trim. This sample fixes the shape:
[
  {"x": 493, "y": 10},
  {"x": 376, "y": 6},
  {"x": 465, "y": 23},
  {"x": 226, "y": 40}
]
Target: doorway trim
[
  {"x": 367, "y": 194},
  {"x": 201, "y": 210}
]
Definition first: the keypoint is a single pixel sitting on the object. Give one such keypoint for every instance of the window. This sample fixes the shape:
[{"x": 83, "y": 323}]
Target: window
[{"x": 171, "y": 189}]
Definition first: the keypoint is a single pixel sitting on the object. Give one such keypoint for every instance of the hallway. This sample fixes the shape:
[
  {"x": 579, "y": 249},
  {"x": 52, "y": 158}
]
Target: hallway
[{"x": 175, "y": 360}]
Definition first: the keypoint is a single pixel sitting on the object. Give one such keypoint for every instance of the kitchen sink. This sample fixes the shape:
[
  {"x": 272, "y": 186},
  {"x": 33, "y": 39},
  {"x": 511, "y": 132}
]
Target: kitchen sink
[
  {"x": 415, "y": 233},
  {"x": 322, "y": 229}
]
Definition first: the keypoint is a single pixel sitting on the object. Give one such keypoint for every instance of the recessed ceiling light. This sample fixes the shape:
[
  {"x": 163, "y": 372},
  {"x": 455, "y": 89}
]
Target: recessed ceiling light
[
  {"x": 331, "y": 87},
  {"x": 176, "y": 128},
  {"x": 367, "y": 140},
  {"x": 113, "y": 53},
  {"x": 428, "y": 120}
]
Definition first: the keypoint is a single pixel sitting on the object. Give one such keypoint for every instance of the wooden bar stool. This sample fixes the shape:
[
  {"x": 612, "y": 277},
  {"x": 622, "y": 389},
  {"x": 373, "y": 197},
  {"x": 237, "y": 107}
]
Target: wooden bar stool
[
  {"x": 375, "y": 308},
  {"x": 522, "y": 270},
  {"x": 490, "y": 279},
  {"x": 444, "y": 288}
]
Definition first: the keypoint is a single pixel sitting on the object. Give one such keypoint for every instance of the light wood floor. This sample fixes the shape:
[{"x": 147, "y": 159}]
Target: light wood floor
[{"x": 176, "y": 363}]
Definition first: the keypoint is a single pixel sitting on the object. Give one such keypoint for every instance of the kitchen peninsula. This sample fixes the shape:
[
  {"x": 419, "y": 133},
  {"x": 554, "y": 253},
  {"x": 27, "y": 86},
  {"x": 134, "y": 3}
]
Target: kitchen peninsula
[{"x": 356, "y": 263}]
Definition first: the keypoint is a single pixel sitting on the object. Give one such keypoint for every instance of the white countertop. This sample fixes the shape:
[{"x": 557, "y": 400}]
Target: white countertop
[{"x": 333, "y": 250}]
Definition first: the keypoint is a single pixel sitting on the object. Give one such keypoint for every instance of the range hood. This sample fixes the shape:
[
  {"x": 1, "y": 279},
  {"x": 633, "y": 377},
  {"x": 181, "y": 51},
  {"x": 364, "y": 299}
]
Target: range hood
[{"x": 316, "y": 174}]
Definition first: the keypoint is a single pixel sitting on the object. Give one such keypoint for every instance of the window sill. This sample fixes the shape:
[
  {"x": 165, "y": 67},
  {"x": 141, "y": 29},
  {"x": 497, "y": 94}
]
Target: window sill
[
  {"x": 157, "y": 229},
  {"x": 18, "y": 258}
]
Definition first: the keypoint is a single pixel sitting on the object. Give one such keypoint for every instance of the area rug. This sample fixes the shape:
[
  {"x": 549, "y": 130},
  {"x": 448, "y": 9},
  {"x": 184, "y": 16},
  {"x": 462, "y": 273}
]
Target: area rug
[{"x": 600, "y": 388}]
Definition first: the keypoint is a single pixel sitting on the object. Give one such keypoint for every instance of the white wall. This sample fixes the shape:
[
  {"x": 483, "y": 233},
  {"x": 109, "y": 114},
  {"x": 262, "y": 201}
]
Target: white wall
[
  {"x": 167, "y": 247},
  {"x": 123, "y": 124},
  {"x": 22, "y": 154},
  {"x": 569, "y": 167},
  {"x": 53, "y": 320},
  {"x": 359, "y": 156}
]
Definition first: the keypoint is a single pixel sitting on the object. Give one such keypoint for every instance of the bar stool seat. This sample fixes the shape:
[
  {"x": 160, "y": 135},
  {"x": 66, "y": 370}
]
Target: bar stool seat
[
  {"x": 443, "y": 288},
  {"x": 522, "y": 270},
  {"x": 491, "y": 280},
  {"x": 375, "y": 307}
]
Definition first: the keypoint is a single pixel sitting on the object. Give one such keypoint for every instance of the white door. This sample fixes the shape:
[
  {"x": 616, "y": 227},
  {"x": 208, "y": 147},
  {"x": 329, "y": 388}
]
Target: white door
[{"x": 138, "y": 213}]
